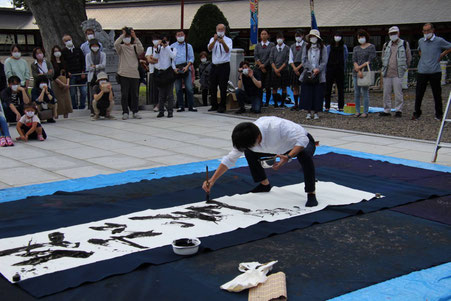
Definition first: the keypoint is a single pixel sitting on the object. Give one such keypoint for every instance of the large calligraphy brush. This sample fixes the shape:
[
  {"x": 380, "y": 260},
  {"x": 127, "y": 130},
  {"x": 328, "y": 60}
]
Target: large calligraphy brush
[{"x": 208, "y": 186}]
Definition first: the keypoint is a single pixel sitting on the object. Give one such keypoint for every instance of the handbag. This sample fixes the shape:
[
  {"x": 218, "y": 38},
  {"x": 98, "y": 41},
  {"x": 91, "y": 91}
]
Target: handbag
[
  {"x": 164, "y": 77},
  {"x": 182, "y": 74},
  {"x": 310, "y": 78},
  {"x": 368, "y": 78}
]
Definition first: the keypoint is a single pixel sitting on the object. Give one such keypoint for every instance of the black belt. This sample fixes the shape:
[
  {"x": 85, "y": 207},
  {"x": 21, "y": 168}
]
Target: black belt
[{"x": 227, "y": 63}]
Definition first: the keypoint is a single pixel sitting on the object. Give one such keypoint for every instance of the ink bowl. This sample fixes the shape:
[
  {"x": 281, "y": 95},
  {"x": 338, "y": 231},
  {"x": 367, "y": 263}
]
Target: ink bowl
[{"x": 186, "y": 246}]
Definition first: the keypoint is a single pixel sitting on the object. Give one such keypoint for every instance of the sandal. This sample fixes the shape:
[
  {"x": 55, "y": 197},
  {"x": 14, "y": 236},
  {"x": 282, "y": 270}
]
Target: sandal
[
  {"x": 356, "y": 115},
  {"x": 41, "y": 138},
  {"x": 364, "y": 115},
  {"x": 9, "y": 141},
  {"x": 2, "y": 142}
]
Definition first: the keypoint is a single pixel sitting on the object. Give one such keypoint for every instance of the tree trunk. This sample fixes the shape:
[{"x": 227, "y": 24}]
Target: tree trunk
[{"x": 57, "y": 17}]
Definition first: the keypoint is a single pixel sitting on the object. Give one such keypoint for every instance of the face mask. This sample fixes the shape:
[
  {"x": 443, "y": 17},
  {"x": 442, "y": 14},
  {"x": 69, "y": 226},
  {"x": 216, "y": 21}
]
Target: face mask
[
  {"x": 14, "y": 87},
  {"x": 362, "y": 41},
  {"x": 203, "y": 60},
  {"x": 95, "y": 49},
  {"x": 90, "y": 37},
  {"x": 127, "y": 40},
  {"x": 313, "y": 40},
  {"x": 29, "y": 113},
  {"x": 220, "y": 34},
  {"x": 42, "y": 86},
  {"x": 155, "y": 42},
  {"x": 299, "y": 39},
  {"x": 102, "y": 82},
  {"x": 427, "y": 36},
  {"x": 393, "y": 37},
  {"x": 16, "y": 55},
  {"x": 180, "y": 39},
  {"x": 245, "y": 71},
  {"x": 280, "y": 41},
  {"x": 39, "y": 56},
  {"x": 337, "y": 39},
  {"x": 69, "y": 44},
  {"x": 57, "y": 54}
]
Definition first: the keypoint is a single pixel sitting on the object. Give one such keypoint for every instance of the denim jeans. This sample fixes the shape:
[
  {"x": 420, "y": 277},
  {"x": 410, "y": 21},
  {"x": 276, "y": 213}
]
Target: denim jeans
[
  {"x": 4, "y": 130},
  {"x": 358, "y": 93},
  {"x": 243, "y": 98},
  {"x": 73, "y": 92},
  {"x": 189, "y": 90}
]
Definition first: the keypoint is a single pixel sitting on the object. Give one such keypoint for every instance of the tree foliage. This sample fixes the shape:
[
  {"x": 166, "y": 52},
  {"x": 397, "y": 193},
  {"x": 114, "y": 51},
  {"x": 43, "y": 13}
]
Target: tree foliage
[{"x": 204, "y": 24}]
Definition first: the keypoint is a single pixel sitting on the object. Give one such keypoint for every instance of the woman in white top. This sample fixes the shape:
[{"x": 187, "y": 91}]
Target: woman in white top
[{"x": 153, "y": 63}]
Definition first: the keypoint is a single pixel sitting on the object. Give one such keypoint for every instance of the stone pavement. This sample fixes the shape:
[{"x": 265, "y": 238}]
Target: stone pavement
[{"x": 78, "y": 147}]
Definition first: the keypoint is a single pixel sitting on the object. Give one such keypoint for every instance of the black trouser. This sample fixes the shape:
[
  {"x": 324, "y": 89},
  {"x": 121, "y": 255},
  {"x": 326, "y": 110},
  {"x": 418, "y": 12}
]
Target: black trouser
[
  {"x": 335, "y": 74},
  {"x": 10, "y": 116},
  {"x": 422, "y": 82},
  {"x": 305, "y": 158},
  {"x": 266, "y": 83},
  {"x": 219, "y": 76},
  {"x": 129, "y": 94},
  {"x": 205, "y": 97},
  {"x": 153, "y": 90}
]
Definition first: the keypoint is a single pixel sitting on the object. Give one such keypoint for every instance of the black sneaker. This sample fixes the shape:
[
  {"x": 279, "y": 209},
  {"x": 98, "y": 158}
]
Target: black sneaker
[
  {"x": 241, "y": 111},
  {"x": 311, "y": 200},
  {"x": 192, "y": 110},
  {"x": 51, "y": 120},
  {"x": 170, "y": 115},
  {"x": 415, "y": 117},
  {"x": 398, "y": 114},
  {"x": 161, "y": 114},
  {"x": 181, "y": 110},
  {"x": 383, "y": 114},
  {"x": 261, "y": 188},
  {"x": 221, "y": 110},
  {"x": 212, "y": 109},
  {"x": 295, "y": 108}
]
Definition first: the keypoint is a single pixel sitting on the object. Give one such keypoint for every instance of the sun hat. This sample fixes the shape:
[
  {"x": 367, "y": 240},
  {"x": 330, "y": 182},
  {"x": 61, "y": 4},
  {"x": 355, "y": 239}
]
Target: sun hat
[
  {"x": 102, "y": 75},
  {"x": 314, "y": 32}
]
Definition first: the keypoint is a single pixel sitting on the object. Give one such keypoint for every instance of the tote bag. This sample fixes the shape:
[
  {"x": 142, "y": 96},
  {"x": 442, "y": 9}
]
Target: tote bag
[{"x": 367, "y": 79}]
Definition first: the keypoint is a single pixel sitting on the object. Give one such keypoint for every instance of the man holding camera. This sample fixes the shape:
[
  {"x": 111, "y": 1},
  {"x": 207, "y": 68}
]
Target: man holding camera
[
  {"x": 270, "y": 137},
  {"x": 249, "y": 88},
  {"x": 221, "y": 48},
  {"x": 183, "y": 61},
  {"x": 129, "y": 47}
]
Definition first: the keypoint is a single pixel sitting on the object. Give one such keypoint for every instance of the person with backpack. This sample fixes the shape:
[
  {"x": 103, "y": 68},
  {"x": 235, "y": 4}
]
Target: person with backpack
[{"x": 396, "y": 58}]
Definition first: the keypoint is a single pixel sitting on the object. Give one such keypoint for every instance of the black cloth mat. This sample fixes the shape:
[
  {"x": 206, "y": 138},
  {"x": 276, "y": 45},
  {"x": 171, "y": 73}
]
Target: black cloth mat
[
  {"x": 64, "y": 209},
  {"x": 436, "y": 209}
]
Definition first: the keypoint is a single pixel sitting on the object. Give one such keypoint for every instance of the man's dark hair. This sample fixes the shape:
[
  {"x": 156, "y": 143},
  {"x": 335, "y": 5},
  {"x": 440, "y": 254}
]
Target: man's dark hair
[
  {"x": 14, "y": 80},
  {"x": 279, "y": 35},
  {"x": 180, "y": 30},
  {"x": 94, "y": 42},
  {"x": 245, "y": 63},
  {"x": 299, "y": 33},
  {"x": 244, "y": 136},
  {"x": 430, "y": 24},
  {"x": 41, "y": 78}
]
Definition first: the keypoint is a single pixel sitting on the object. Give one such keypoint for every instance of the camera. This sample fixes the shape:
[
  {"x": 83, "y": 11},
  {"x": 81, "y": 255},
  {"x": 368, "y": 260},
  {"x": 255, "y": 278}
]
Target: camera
[{"x": 128, "y": 31}]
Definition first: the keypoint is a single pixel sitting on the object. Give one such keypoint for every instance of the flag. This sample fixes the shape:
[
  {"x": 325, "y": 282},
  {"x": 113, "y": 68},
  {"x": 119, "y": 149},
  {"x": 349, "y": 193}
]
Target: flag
[
  {"x": 254, "y": 23},
  {"x": 312, "y": 10}
]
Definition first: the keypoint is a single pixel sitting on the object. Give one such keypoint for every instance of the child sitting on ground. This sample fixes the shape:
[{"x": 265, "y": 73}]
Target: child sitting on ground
[{"x": 29, "y": 125}]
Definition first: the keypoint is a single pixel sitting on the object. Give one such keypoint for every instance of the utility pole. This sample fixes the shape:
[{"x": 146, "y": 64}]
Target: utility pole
[{"x": 182, "y": 9}]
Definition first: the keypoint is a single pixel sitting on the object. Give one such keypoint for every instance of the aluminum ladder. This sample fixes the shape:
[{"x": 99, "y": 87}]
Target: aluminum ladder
[{"x": 445, "y": 119}]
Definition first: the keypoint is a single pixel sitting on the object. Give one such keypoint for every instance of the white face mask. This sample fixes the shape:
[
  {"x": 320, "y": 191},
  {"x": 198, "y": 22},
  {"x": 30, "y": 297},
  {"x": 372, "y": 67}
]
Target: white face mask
[
  {"x": 95, "y": 49},
  {"x": 42, "y": 86},
  {"x": 17, "y": 55},
  {"x": 14, "y": 87},
  {"x": 29, "y": 113},
  {"x": 181, "y": 39},
  {"x": 102, "y": 82},
  {"x": 155, "y": 42},
  {"x": 337, "y": 39},
  {"x": 203, "y": 60},
  {"x": 90, "y": 37},
  {"x": 69, "y": 44},
  {"x": 57, "y": 54},
  {"x": 394, "y": 37},
  {"x": 362, "y": 41},
  {"x": 299, "y": 39},
  {"x": 280, "y": 41},
  {"x": 245, "y": 71},
  {"x": 313, "y": 40},
  {"x": 220, "y": 34},
  {"x": 427, "y": 36},
  {"x": 127, "y": 40}
]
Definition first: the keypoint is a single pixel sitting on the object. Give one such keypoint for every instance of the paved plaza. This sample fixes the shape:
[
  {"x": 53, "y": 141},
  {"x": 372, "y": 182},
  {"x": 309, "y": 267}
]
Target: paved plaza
[{"x": 78, "y": 147}]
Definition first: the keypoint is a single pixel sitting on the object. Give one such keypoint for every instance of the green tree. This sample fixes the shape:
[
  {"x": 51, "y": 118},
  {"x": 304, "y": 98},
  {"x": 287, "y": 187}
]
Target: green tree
[{"x": 204, "y": 24}]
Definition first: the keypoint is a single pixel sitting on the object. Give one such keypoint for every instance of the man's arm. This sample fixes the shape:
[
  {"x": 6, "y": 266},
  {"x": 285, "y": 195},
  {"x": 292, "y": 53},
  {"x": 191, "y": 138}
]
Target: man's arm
[
  {"x": 207, "y": 185},
  {"x": 117, "y": 44},
  {"x": 212, "y": 42}
]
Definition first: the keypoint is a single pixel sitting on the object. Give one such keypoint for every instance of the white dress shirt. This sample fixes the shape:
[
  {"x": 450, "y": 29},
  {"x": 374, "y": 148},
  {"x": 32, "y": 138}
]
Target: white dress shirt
[
  {"x": 279, "y": 136},
  {"x": 151, "y": 51},
  {"x": 165, "y": 57},
  {"x": 219, "y": 55}
]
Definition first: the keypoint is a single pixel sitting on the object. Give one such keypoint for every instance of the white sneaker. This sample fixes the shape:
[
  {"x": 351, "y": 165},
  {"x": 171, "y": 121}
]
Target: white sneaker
[
  {"x": 136, "y": 116},
  {"x": 309, "y": 116},
  {"x": 315, "y": 116},
  {"x": 124, "y": 116}
]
